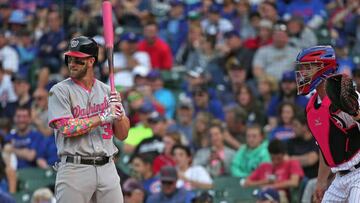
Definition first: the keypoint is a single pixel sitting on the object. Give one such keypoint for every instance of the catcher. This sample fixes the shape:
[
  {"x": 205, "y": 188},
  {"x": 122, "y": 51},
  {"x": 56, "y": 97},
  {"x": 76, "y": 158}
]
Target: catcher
[{"x": 332, "y": 115}]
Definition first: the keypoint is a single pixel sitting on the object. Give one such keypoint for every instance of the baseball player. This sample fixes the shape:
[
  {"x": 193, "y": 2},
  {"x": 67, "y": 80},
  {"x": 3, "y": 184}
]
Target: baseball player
[
  {"x": 85, "y": 116},
  {"x": 332, "y": 123}
]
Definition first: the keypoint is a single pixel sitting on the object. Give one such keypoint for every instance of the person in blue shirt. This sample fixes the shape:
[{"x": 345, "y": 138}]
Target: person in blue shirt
[
  {"x": 175, "y": 28},
  {"x": 23, "y": 141},
  {"x": 164, "y": 96},
  {"x": 202, "y": 102},
  {"x": 169, "y": 193}
]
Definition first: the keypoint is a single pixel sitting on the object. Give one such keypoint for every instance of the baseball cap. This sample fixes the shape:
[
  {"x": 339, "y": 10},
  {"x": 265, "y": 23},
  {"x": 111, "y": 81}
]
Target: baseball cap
[
  {"x": 340, "y": 43},
  {"x": 268, "y": 194},
  {"x": 232, "y": 33},
  {"x": 147, "y": 107},
  {"x": 185, "y": 104},
  {"x": 196, "y": 72},
  {"x": 130, "y": 185},
  {"x": 134, "y": 96},
  {"x": 215, "y": 9},
  {"x": 129, "y": 37},
  {"x": 154, "y": 74},
  {"x": 176, "y": 3},
  {"x": 264, "y": 23},
  {"x": 140, "y": 70},
  {"x": 17, "y": 17},
  {"x": 19, "y": 78},
  {"x": 233, "y": 64},
  {"x": 156, "y": 117},
  {"x": 168, "y": 173},
  {"x": 288, "y": 76}
]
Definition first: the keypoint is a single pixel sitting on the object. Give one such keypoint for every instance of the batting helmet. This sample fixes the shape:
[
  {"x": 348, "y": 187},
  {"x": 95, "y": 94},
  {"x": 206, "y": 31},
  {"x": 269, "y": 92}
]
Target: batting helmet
[
  {"x": 82, "y": 47},
  {"x": 313, "y": 65}
]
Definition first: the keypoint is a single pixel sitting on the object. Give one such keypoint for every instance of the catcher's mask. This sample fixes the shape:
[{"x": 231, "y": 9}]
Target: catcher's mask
[
  {"x": 82, "y": 47},
  {"x": 313, "y": 65}
]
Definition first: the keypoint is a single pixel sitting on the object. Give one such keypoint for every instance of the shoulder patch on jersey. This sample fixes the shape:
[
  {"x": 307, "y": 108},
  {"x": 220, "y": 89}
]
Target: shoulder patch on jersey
[{"x": 51, "y": 94}]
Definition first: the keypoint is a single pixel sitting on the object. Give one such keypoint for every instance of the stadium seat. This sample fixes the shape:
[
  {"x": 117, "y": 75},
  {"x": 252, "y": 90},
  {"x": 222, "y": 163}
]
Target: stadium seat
[
  {"x": 228, "y": 189},
  {"x": 28, "y": 178},
  {"x": 22, "y": 197}
]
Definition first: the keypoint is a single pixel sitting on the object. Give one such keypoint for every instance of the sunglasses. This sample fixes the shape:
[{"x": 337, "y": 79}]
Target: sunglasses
[
  {"x": 77, "y": 61},
  {"x": 167, "y": 182}
]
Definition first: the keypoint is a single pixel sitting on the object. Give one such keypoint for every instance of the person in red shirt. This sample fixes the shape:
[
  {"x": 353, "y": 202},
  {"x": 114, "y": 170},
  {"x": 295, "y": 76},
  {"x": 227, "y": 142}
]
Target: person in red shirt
[
  {"x": 281, "y": 174},
  {"x": 158, "y": 50}
]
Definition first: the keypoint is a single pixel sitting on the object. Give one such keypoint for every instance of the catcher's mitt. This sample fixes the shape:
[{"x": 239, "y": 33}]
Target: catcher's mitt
[{"x": 341, "y": 91}]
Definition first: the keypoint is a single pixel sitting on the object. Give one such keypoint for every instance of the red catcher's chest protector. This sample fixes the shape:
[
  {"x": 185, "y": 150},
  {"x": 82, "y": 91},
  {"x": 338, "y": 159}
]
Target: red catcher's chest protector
[{"x": 338, "y": 143}]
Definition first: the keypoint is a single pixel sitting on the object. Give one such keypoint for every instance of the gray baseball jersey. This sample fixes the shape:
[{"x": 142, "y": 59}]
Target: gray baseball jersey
[{"x": 70, "y": 99}]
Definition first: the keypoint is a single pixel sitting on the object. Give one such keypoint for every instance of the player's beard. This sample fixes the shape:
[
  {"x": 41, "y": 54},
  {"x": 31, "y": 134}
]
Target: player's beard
[{"x": 79, "y": 73}]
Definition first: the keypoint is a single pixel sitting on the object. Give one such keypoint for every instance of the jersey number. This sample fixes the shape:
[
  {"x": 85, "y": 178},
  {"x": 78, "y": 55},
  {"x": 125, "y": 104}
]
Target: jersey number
[{"x": 107, "y": 131}]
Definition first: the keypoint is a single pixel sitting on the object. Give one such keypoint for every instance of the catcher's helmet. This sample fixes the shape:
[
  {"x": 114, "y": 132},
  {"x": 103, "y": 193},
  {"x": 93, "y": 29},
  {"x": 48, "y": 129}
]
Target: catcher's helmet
[
  {"x": 313, "y": 65},
  {"x": 82, "y": 47}
]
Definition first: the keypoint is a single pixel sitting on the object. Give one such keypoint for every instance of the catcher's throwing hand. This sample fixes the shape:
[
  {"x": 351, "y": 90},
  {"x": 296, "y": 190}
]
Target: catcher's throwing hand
[{"x": 341, "y": 91}]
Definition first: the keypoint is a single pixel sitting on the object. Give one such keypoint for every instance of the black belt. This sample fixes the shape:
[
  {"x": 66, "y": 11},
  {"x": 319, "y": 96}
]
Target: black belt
[
  {"x": 344, "y": 172},
  {"x": 97, "y": 161}
]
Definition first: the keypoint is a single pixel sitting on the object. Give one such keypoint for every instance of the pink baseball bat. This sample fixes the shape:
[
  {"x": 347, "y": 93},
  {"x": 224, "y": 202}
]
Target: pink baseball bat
[{"x": 109, "y": 39}]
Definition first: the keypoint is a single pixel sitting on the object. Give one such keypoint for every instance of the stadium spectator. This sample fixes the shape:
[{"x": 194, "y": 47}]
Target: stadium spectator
[
  {"x": 235, "y": 119},
  {"x": 284, "y": 129},
  {"x": 263, "y": 36},
  {"x": 267, "y": 87},
  {"x": 154, "y": 145},
  {"x": 191, "y": 177},
  {"x": 39, "y": 112},
  {"x": 159, "y": 51},
  {"x": 300, "y": 36},
  {"x": 184, "y": 120},
  {"x": 24, "y": 141},
  {"x": 42, "y": 195},
  {"x": 287, "y": 93},
  {"x": 203, "y": 103},
  {"x": 200, "y": 137},
  {"x": 174, "y": 28},
  {"x": 26, "y": 49},
  {"x": 345, "y": 62},
  {"x": 166, "y": 158},
  {"x": 8, "y": 55},
  {"x": 252, "y": 154},
  {"x": 161, "y": 94},
  {"x": 51, "y": 44},
  {"x": 8, "y": 97},
  {"x": 22, "y": 91},
  {"x": 215, "y": 24},
  {"x": 141, "y": 165},
  {"x": 127, "y": 60},
  {"x": 133, "y": 191},
  {"x": 245, "y": 99},
  {"x": 281, "y": 174},
  {"x": 169, "y": 192},
  {"x": 217, "y": 157},
  {"x": 276, "y": 58}
]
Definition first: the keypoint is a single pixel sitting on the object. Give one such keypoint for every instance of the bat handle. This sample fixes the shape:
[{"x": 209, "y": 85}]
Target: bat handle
[{"x": 111, "y": 68}]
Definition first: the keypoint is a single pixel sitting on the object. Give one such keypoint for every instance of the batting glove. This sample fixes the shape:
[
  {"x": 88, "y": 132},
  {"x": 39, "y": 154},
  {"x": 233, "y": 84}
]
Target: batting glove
[{"x": 111, "y": 113}]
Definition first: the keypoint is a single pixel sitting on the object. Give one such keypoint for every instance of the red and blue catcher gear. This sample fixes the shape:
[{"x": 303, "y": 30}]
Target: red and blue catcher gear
[{"x": 313, "y": 65}]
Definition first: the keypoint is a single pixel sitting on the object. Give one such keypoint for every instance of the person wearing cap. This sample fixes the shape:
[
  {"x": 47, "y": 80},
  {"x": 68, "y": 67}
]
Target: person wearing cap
[
  {"x": 50, "y": 46},
  {"x": 154, "y": 145},
  {"x": 288, "y": 92},
  {"x": 276, "y": 58},
  {"x": 8, "y": 55},
  {"x": 263, "y": 37},
  {"x": 268, "y": 196},
  {"x": 300, "y": 36},
  {"x": 22, "y": 90},
  {"x": 194, "y": 77},
  {"x": 158, "y": 50},
  {"x": 169, "y": 192},
  {"x": 127, "y": 60},
  {"x": 174, "y": 28},
  {"x": 214, "y": 24},
  {"x": 133, "y": 191},
  {"x": 162, "y": 95},
  {"x": 202, "y": 102},
  {"x": 81, "y": 20}
]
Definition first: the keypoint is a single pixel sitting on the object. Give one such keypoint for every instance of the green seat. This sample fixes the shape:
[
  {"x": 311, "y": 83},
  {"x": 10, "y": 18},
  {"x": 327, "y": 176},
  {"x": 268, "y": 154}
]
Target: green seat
[
  {"x": 228, "y": 189},
  {"x": 22, "y": 197},
  {"x": 29, "y": 178}
]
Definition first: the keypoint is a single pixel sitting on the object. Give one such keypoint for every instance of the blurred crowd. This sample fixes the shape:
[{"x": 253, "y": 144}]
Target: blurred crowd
[{"x": 209, "y": 87}]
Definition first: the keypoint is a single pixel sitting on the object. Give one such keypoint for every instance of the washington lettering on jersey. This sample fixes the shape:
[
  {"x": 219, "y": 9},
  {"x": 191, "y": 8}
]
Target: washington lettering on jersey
[{"x": 91, "y": 109}]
